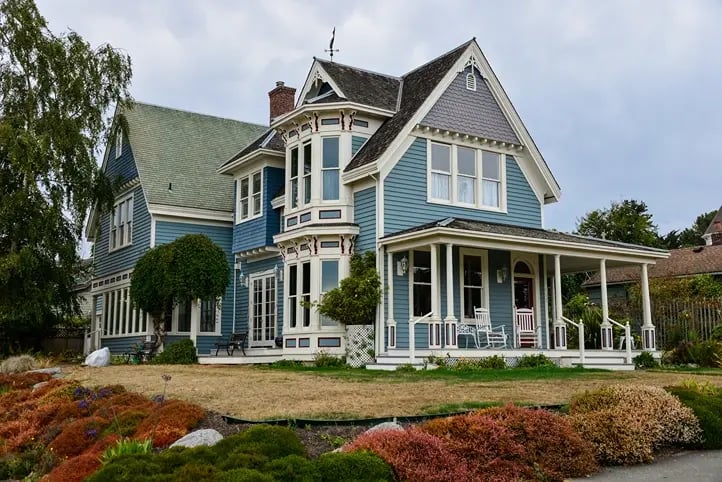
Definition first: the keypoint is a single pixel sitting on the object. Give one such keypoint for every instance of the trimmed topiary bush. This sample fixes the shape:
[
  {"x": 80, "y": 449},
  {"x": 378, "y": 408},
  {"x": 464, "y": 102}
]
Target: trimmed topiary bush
[
  {"x": 707, "y": 407},
  {"x": 182, "y": 352},
  {"x": 18, "y": 364}
]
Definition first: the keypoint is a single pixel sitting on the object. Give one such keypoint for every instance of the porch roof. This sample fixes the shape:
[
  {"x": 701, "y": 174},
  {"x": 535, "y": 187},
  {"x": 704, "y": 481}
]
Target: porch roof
[{"x": 507, "y": 237}]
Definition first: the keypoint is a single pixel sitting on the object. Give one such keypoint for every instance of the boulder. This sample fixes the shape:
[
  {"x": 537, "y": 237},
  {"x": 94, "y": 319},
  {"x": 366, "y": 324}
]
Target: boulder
[
  {"x": 50, "y": 371},
  {"x": 39, "y": 385},
  {"x": 206, "y": 437},
  {"x": 385, "y": 426},
  {"x": 99, "y": 358}
]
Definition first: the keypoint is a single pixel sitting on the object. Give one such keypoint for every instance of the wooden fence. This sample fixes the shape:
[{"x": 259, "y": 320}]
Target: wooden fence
[{"x": 675, "y": 320}]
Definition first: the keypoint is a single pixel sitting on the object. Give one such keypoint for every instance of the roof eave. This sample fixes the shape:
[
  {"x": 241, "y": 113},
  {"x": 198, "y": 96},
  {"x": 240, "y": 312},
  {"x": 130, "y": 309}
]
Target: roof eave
[
  {"x": 233, "y": 166},
  {"x": 281, "y": 120}
]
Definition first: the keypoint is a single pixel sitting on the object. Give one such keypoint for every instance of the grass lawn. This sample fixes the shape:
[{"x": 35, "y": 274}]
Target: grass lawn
[{"x": 264, "y": 392}]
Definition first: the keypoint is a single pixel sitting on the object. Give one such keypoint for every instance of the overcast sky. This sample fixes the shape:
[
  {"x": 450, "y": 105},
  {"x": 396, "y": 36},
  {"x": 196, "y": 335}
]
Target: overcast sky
[{"x": 622, "y": 97}]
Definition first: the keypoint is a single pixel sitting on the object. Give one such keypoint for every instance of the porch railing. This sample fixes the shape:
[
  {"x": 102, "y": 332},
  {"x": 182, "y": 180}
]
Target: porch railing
[
  {"x": 580, "y": 330},
  {"x": 412, "y": 335},
  {"x": 609, "y": 336}
]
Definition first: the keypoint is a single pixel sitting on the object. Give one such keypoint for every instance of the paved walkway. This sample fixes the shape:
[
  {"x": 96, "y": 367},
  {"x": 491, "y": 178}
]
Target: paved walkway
[{"x": 695, "y": 466}]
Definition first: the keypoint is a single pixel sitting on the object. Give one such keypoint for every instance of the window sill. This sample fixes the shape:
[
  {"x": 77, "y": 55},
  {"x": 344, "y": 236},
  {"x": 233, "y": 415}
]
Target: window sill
[
  {"x": 466, "y": 206},
  {"x": 113, "y": 250},
  {"x": 242, "y": 221}
]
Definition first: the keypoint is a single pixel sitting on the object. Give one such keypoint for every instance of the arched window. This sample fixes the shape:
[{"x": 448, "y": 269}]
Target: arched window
[
  {"x": 521, "y": 268},
  {"x": 471, "y": 81}
]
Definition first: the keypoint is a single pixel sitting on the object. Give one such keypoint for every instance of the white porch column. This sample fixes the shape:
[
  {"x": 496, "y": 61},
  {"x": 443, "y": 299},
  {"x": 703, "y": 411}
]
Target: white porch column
[
  {"x": 560, "y": 328},
  {"x": 450, "y": 320},
  {"x": 390, "y": 322},
  {"x": 435, "y": 320},
  {"x": 648, "y": 334},
  {"x": 606, "y": 327}
]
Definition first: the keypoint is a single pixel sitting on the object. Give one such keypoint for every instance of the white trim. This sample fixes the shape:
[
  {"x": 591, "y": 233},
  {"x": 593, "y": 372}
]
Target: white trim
[
  {"x": 532, "y": 261},
  {"x": 316, "y": 230},
  {"x": 189, "y": 220},
  {"x": 250, "y": 197},
  {"x": 248, "y": 158},
  {"x": 283, "y": 121},
  {"x": 152, "y": 231},
  {"x": 484, "y": 254},
  {"x": 315, "y": 74},
  {"x": 278, "y": 202},
  {"x": 126, "y": 240},
  {"x": 193, "y": 213},
  {"x": 263, "y": 276}
]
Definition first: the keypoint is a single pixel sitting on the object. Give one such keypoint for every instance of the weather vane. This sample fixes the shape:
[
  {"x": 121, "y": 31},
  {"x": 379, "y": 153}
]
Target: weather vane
[{"x": 330, "y": 48}]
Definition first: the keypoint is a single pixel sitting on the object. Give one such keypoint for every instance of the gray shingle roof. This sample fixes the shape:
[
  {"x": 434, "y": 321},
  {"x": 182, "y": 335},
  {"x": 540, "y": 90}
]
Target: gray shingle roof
[
  {"x": 416, "y": 87},
  {"x": 470, "y": 112},
  {"x": 716, "y": 225},
  {"x": 509, "y": 230},
  {"x": 269, "y": 139},
  {"x": 183, "y": 149},
  {"x": 363, "y": 86}
]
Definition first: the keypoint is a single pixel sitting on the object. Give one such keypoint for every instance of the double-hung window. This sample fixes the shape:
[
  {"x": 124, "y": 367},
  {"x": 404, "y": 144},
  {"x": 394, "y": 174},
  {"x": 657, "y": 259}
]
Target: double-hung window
[
  {"x": 249, "y": 197},
  {"x": 209, "y": 315},
  {"x": 121, "y": 224},
  {"x": 293, "y": 295},
  {"x": 329, "y": 281},
  {"x": 307, "y": 156},
  {"x": 330, "y": 169},
  {"x": 465, "y": 176},
  {"x": 294, "y": 178}
]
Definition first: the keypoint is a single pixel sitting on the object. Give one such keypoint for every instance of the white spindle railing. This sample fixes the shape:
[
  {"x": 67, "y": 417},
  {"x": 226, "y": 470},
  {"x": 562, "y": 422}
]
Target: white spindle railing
[
  {"x": 412, "y": 335},
  {"x": 580, "y": 332},
  {"x": 627, "y": 338}
]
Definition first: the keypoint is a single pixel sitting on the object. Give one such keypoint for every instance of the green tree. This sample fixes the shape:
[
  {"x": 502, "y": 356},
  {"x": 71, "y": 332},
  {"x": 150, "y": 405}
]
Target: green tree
[
  {"x": 191, "y": 267},
  {"x": 628, "y": 221},
  {"x": 693, "y": 236},
  {"x": 355, "y": 300},
  {"x": 55, "y": 93}
]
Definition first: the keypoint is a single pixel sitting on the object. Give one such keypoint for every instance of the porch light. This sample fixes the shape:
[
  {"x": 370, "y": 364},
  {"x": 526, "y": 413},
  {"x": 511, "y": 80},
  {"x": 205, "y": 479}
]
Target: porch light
[
  {"x": 502, "y": 274},
  {"x": 402, "y": 267},
  {"x": 243, "y": 279}
]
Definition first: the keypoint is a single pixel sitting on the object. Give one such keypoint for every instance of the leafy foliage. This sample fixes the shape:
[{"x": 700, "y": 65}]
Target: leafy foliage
[
  {"x": 127, "y": 446},
  {"x": 323, "y": 359},
  {"x": 191, "y": 267},
  {"x": 535, "y": 361},
  {"x": 182, "y": 352},
  {"x": 354, "y": 301},
  {"x": 55, "y": 91},
  {"x": 645, "y": 360},
  {"x": 628, "y": 221}
]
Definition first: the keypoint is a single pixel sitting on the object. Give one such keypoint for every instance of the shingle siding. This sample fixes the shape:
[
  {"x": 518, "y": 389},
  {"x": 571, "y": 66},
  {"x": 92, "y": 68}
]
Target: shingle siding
[
  {"x": 259, "y": 232},
  {"x": 104, "y": 262},
  {"x": 406, "y": 205},
  {"x": 365, "y": 216}
]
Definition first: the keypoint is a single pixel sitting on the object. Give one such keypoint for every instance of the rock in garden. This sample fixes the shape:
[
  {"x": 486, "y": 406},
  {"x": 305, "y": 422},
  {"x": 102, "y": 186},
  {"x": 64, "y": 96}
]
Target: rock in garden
[
  {"x": 385, "y": 426},
  {"x": 39, "y": 385},
  {"x": 198, "y": 438},
  {"x": 49, "y": 371},
  {"x": 99, "y": 358}
]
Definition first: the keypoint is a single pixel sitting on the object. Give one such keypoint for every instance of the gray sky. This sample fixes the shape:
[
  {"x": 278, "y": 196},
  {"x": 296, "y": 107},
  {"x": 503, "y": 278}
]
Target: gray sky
[{"x": 622, "y": 97}]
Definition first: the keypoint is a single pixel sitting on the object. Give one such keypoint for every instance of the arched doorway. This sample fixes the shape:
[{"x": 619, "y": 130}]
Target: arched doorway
[{"x": 523, "y": 285}]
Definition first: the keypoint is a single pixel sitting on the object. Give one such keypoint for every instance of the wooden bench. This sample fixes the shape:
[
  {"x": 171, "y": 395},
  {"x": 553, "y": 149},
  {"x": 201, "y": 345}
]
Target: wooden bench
[{"x": 235, "y": 341}]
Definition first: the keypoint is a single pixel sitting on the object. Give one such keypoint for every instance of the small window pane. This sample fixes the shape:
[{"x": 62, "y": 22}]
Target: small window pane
[
  {"x": 294, "y": 162},
  {"x": 329, "y": 275},
  {"x": 440, "y": 186},
  {"x": 422, "y": 267},
  {"x": 440, "y": 157},
  {"x": 257, "y": 204},
  {"x": 472, "y": 270},
  {"x": 330, "y": 185},
  {"x": 307, "y": 189},
  {"x": 490, "y": 165},
  {"x": 307, "y": 158},
  {"x": 422, "y": 299},
  {"x": 490, "y": 190},
  {"x": 244, "y": 187},
  {"x": 466, "y": 189},
  {"x": 294, "y": 193},
  {"x": 330, "y": 152},
  {"x": 466, "y": 161},
  {"x": 257, "y": 182},
  {"x": 184, "y": 315},
  {"x": 292, "y": 275}
]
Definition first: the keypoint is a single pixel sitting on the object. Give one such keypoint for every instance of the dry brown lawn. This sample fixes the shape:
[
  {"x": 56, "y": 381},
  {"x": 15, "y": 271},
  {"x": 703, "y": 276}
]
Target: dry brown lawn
[{"x": 254, "y": 393}]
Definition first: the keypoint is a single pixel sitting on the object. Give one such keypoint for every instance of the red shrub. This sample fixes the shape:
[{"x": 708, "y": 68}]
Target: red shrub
[
  {"x": 549, "y": 439},
  {"x": 111, "y": 406},
  {"x": 75, "y": 469},
  {"x": 19, "y": 381},
  {"x": 77, "y": 436},
  {"x": 16, "y": 434},
  {"x": 414, "y": 455},
  {"x": 169, "y": 422}
]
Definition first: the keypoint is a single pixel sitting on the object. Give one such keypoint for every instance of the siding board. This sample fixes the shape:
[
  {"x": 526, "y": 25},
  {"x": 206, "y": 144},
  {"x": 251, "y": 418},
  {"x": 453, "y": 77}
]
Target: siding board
[
  {"x": 365, "y": 216},
  {"x": 259, "y": 232}
]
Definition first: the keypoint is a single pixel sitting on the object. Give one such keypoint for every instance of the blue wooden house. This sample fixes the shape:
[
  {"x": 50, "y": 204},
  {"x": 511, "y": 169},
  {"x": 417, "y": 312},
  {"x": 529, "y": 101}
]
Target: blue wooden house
[{"x": 432, "y": 170}]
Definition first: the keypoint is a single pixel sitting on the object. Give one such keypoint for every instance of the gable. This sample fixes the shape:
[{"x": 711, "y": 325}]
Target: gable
[
  {"x": 473, "y": 112},
  {"x": 122, "y": 166}
]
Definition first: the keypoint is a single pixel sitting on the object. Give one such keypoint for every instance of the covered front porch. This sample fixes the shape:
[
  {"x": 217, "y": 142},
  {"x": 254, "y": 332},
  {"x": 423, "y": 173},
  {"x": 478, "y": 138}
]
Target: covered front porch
[{"x": 468, "y": 288}]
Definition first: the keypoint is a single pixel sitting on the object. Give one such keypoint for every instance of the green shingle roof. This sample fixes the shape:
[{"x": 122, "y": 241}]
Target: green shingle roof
[{"x": 183, "y": 150}]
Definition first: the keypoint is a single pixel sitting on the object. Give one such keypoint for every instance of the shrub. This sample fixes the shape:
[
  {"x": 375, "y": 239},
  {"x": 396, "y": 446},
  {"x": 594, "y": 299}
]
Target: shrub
[
  {"x": 405, "y": 368},
  {"x": 701, "y": 353},
  {"x": 244, "y": 475},
  {"x": 292, "y": 468},
  {"x": 268, "y": 440},
  {"x": 75, "y": 469},
  {"x": 126, "y": 447},
  {"x": 77, "y": 436},
  {"x": 706, "y": 403},
  {"x": 170, "y": 422},
  {"x": 128, "y": 468},
  {"x": 352, "y": 467},
  {"x": 287, "y": 364},
  {"x": 494, "y": 362},
  {"x": 18, "y": 364},
  {"x": 645, "y": 360},
  {"x": 550, "y": 441},
  {"x": 653, "y": 418},
  {"x": 535, "y": 361},
  {"x": 717, "y": 333},
  {"x": 414, "y": 455},
  {"x": 323, "y": 360},
  {"x": 182, "y": 352}
]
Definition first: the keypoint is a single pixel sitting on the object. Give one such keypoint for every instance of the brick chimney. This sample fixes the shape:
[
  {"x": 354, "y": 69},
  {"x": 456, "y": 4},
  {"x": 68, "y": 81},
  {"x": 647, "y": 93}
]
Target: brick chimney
[{"x": 281, "y": 99}]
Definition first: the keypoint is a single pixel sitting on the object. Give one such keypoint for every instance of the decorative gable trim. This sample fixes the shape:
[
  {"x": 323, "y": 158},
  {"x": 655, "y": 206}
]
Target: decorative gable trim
[{"x": 317, "y": 74}]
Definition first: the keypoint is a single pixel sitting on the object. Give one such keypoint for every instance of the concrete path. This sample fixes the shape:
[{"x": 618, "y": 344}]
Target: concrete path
[{"x": 695, "y": 466}]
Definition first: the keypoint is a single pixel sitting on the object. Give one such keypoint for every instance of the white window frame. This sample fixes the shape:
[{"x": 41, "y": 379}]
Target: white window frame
[
  {"x": 484, "y": 254},
  {"x": 250, "y": 198},
  {"x": 118, "y": 143},
  {"x": 263, "y": 278},
  {"x": 330, "y": 323},
  {"x": 305, "y": 189},
  {"x": 217, "y": 324},
  {"x": 116, "y": 242},
  {"x": 294, "y": 204},
  {"x": 478, "y": 191},
  {"x": 329, "y": 169},
  {"x": 412, "y": 281}
]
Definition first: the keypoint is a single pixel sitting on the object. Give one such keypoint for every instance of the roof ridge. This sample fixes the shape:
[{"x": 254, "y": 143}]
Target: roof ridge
[
  {"x": 459, "y": 47},
  {"x": 394, "y": 77},
  {"x": 183, "y": 111}
]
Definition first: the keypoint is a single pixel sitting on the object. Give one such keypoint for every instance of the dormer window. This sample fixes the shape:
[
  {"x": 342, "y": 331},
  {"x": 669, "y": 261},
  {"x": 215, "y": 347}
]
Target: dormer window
[
  {"x": 249, "y": 197},
  {"x": 471, "y": 81},
  {"x": 118, "y": 143}
]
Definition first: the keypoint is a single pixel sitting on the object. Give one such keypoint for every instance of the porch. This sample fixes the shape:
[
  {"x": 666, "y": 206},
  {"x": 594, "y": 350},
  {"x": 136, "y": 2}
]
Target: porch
[{"x": 441, "y": 277}]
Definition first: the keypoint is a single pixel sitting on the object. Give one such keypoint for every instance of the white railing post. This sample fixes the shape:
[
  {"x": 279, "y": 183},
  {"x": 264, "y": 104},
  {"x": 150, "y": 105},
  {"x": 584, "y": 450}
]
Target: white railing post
[
  {"x": 412, "y": 341},
  {"x": 607, "y": 335},
  {"x": 560, "y": 335},
  {"x": 581, "y": 342},
  {"x": 648, "y": 332},
  {"x": 628, "y": 341}
]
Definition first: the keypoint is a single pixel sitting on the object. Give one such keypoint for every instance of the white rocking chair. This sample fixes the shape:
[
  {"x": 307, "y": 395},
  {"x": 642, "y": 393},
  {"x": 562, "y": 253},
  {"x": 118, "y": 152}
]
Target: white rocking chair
[
  {"x": 524, "y": 328},
  {"x": 467, "y": 330},
  {"x": 493, "y": 335}
]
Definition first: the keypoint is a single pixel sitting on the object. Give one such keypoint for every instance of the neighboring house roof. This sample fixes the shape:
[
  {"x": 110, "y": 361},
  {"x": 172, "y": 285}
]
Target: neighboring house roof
[
  {"x": 416, "y": 86},
  {"x": 269, "y": 139},
  {"x": 171, "y": 147},
  {"x": 510, "y": 230},
  {"x": 681, "y": 262},
  {"x": 363, "y": 86},
  {"x": 716, "y": 225}
]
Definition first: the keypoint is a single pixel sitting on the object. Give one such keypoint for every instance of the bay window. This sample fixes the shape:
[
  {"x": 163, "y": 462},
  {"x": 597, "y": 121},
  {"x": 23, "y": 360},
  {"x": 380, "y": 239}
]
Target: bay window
[
  {"x": 330, "y": 169},
  {"x": 293, "y": 295},
  {"x": 294, "y": 178},
  {"x": 307, "y": 155},
  {"x": 465, "y": 176},
  {"x": 329, "y": 281}
]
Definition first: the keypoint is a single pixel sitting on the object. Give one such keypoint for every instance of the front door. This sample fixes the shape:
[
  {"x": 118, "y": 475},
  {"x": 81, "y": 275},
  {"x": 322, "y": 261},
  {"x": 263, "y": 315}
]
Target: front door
[
  {"x": 523, "y": 293},
  {"x": 262, "y": 312}
]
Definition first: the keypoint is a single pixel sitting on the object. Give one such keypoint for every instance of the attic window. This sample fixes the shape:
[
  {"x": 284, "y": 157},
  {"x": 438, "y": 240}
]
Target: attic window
[
  {"x": 118, "y": 143},
  {"x": 470, "y": 81}
]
